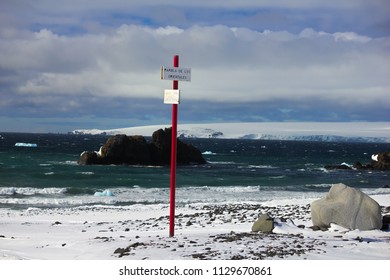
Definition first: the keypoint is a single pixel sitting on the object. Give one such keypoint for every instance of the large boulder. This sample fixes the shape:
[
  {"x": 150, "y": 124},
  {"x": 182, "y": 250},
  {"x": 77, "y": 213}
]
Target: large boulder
[
  {"x": 346, "y": 207},
  {"x": 134, "y": 150}
]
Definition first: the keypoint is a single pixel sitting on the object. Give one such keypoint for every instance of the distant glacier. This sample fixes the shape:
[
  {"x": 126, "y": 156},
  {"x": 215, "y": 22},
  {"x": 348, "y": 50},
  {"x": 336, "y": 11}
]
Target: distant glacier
[{"x": 374, "y": 132}]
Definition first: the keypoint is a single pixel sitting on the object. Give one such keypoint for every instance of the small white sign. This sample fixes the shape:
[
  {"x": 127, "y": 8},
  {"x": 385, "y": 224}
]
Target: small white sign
[
  {"x": 171, "y": 96},
  {"x": 176, "y": 74}
]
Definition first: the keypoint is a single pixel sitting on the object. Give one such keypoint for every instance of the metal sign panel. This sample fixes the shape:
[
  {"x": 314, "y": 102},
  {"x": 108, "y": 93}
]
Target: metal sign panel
[
  {"x": 171, "y": 96},
  {"x": 176, "y": 74}
]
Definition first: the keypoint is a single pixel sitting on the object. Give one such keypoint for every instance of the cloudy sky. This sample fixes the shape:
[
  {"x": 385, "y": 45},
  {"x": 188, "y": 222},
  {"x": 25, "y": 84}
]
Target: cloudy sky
[{"x": 75, "y": 64}]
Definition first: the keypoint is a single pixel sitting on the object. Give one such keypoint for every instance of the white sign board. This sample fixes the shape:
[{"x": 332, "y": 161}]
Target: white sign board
[
  {"x": 171, "y": 96},
  {"x": 176, "y": 73}
]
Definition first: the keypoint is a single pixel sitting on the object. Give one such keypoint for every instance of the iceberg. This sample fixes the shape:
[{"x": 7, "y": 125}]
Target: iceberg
[
  {"x": 29, "y": 145},
  {"x": 208, "y": 153}
]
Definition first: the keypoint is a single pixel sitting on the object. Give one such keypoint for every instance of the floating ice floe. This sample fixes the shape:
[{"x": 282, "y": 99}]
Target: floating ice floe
[
  {"x": 208, "y": 153},
  {"x": 29, "y": 145},
  {"x": 374, "y": 157}
]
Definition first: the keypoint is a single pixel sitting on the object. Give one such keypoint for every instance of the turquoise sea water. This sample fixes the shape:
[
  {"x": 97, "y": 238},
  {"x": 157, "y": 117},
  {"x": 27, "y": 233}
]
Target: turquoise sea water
[{"x": 237, "y": 171}]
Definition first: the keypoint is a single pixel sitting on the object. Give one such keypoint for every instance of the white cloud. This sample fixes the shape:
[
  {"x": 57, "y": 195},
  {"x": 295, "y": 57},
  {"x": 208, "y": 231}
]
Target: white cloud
[
  {"x": 282, "y": 56},
  {"x": 230, "y": 64}
]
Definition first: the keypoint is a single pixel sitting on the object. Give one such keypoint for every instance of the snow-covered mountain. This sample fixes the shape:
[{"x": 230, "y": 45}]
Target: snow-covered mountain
[{"x": 305, "y": 131}]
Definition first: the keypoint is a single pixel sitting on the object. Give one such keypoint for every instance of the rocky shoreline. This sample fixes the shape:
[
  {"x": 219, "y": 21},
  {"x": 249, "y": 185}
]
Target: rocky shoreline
[
  {"x": 254, "y": 246},
  {"x": 279, "y": 245},
  {"x": 202, "y": 232}
]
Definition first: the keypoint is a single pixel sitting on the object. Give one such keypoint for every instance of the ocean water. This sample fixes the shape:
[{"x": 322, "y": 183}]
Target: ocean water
[{"x": 237, "y": 171}]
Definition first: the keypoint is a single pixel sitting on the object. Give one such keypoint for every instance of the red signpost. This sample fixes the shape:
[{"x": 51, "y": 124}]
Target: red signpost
[
  {"x": 173, "y": 156},
  {"x": 172, "y": 97}
]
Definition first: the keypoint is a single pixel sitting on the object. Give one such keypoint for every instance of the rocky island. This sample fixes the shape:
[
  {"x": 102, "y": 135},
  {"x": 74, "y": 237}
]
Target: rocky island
[
  {"x": 135, "y": 150},
  {"x": 379, "y": 161}
]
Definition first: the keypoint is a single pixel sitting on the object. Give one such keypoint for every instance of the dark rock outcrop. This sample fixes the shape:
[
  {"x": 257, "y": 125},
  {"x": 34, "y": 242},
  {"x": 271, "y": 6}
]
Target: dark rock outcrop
[
  {"x": 122, "y": 149},
  {"x": 340, "y": 166},
  {"x": 135, "y": 150},
  {"x": 161, "y": 150},
  {"x": 87, "y": 158},
  {"x": 380, "y": 161}
]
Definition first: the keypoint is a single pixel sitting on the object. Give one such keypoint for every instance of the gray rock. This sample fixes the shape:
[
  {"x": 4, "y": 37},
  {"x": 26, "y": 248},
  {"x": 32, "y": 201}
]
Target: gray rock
[
  {"x": 346, "y": 207},
  {"x": 263, "y": 224}
]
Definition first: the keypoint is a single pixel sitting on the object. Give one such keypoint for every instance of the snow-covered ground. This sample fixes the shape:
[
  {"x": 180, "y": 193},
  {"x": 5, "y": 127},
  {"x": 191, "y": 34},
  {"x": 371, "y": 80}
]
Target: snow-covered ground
[
  {"x": 202, "y": 232},
  {"x": 323, "y": 131}
]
